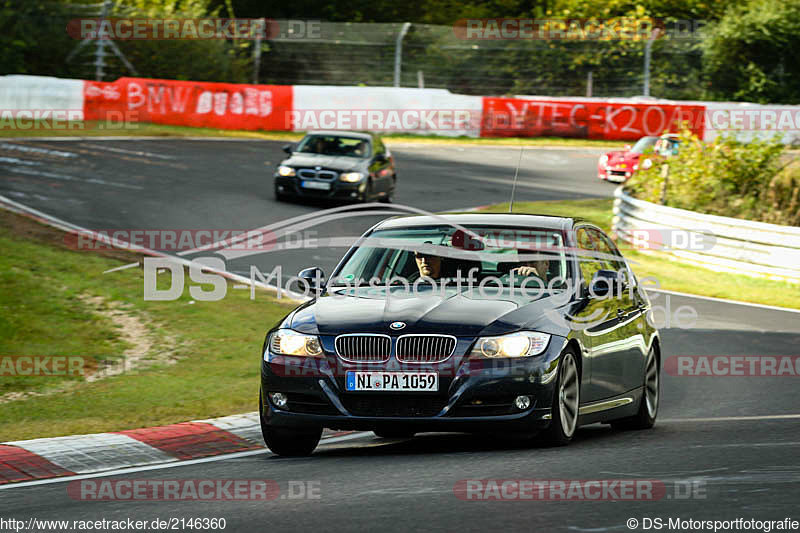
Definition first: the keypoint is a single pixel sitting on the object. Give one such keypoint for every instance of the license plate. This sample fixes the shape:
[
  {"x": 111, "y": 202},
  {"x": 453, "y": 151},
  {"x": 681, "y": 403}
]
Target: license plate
[
  {"x": 393, "y": 381},
  {"x": 319, "y": 185}
]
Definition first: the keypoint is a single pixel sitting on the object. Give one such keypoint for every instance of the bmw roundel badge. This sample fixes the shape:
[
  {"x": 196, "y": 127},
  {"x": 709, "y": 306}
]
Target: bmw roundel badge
[{"x": 397, "y": 325}]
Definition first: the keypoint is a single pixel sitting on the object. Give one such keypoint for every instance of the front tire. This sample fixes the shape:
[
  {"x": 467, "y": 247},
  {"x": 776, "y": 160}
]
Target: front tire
[
  {"x": 564, "y": 417},
  {"x": 288, "y": 442},
  {"x": 645, "y": 418},
  {"x": 390, "y": 195}
]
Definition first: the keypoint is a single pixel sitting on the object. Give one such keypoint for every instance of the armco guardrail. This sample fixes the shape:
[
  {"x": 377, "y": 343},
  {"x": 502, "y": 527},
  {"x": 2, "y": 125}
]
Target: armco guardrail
[{"x": 720, "y": 243}]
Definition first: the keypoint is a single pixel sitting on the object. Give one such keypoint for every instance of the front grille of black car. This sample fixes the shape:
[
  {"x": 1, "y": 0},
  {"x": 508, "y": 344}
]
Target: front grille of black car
[
  {"x": 393, "y": 405},
  {"x": 425, "y": 348},
  {"x": 310, "y": 173},
  {"x": 364, "y": 348}
]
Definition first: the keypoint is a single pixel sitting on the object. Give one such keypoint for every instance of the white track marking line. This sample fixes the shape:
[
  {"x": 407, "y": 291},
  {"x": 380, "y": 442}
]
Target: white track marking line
[
  {"x": 123, "y": 267},
  {"x": 34, "y": 149},
  {"x": 129, "y": 152},
  {"x": 67, "y": 177},
  {"x": 747, "y": 445},
  {"x": 15, "y": 161},
  {"x": 63, "y": 225},
  {"x": 724, "y": 300},
  {"x": 188, "y": 462},
  {"x": 730, "y": 419}
]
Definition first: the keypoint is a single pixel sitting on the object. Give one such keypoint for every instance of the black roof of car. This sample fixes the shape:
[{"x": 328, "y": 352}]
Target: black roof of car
[
  {"x": 482, "y": 219},
  {"x": 340, "y": 133}
]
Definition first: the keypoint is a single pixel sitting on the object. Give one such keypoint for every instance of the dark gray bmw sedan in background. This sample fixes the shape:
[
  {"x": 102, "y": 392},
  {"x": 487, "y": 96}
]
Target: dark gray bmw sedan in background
[{"x": 337, "y": 165}]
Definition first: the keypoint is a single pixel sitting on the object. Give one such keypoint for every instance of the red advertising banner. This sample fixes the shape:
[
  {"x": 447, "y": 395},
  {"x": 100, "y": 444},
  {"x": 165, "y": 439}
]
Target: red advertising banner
[
  {"x": 515, "y": 117},
  {"x": 188, "y": 103}
]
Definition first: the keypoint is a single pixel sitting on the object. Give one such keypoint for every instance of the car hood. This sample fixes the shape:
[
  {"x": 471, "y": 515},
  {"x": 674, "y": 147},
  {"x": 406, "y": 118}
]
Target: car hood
[
  {"x": 458, "y": 312},
  {"x": 299, "y": 160},
  {"x": 621, "y": 156}
]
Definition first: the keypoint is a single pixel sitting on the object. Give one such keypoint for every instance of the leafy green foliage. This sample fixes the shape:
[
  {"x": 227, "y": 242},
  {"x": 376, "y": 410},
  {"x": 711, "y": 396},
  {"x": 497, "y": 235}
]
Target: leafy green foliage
[
  {"x": 757, "y": 180},
  {"x": 750, "y": 55}
]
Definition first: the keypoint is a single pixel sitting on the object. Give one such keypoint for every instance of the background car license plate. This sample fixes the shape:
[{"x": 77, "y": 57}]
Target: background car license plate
[
  {"x": 393, "y": 381},
  {"x": 321, "y": 185}
]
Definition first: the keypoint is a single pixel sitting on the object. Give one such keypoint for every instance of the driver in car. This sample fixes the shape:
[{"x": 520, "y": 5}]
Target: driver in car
[
  {"x": 428, "y": 265},
  {"x": 538, "y": 267}
]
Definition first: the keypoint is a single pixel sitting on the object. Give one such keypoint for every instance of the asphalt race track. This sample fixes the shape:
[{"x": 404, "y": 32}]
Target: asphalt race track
[{"x": 734, "y": 440}]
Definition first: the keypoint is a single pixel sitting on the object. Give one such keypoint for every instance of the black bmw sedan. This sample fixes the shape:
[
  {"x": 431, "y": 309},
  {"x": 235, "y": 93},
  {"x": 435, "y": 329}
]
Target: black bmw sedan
[
  {"x": 337, "y": 165},
  {"x": 522, "y": 324}
]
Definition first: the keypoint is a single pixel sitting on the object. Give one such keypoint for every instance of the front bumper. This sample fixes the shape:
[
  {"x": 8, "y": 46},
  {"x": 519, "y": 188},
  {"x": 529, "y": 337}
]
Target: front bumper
[
  {"x": 616, "y": 175},
  {"x": 473, "y": 395},
  {"x": 340, "y": 190}
]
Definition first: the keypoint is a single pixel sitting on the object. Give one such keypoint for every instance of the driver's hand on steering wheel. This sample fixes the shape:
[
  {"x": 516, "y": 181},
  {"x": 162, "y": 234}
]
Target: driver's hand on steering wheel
[{"x": 525, "y": 271}]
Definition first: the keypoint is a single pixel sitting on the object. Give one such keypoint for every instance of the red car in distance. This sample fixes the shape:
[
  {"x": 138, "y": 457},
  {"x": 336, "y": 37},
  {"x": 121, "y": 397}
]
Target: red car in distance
[{"x": 619, "y": 165}]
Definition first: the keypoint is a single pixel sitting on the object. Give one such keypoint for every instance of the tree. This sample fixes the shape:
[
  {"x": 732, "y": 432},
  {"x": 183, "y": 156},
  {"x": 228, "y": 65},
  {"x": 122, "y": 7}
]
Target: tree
[{"x": 751, "y": 53}]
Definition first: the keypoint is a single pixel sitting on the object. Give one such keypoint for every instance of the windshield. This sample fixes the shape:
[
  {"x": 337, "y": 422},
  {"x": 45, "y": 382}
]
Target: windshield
[
  {"x": 335, "y": 145},
  {"x": 445, "y": 253},
  {"x": 643, "y": 144}
]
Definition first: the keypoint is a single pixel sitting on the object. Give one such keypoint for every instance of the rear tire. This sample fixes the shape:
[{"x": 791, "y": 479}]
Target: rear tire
[
  {"x": 645, "y": 418},
  {"x": 288, "y": 442},
  {"x": 566, "y": 401}
]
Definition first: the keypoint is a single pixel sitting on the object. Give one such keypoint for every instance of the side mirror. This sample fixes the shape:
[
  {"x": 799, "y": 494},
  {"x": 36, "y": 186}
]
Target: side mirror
[
  {"x": 314, "y": 276},
  {"x": 606, "y": 283},
  {"x": 289, "y": 148},
  {"x": 465, "y": 242}
]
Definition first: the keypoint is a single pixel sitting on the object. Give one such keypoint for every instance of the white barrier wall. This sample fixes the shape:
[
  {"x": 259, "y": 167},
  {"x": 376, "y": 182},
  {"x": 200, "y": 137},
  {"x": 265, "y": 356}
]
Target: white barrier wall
[
  {"x": 424, "y": 111},
  {"x": 751, "y": 121},
  {"x": 390, "y": 109},
  {"x": 40, "y": 93}
]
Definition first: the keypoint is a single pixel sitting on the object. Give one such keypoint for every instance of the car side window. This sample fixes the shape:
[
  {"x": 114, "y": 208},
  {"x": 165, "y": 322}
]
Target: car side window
[
  {"x": 586, "y": 254},
  {"x": 611, "y": 254}
]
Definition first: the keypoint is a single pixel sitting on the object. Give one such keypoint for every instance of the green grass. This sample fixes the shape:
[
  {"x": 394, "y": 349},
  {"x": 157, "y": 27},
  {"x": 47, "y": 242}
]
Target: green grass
[
  {"x": 91, "y": 129},
  {"x": 216, "y": 344},
  {"x": 671, "y": 274}
]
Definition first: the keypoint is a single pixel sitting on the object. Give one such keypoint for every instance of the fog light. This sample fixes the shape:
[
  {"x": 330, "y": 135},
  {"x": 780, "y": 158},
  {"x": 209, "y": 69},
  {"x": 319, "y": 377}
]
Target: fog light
[
  {"x": 279, "y": 399},
  {"x": 522, "y": 402}
]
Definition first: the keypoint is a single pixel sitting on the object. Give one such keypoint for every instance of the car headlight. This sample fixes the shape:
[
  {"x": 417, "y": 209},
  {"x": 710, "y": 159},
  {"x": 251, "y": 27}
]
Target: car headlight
[
  {"x": 521, "y": 344},
  {"x": 351, "y": 177},
  {"x": 288, "y": 342},
  {"x": 603, "y": 160},
  {"x": 285, "y": 171}
]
